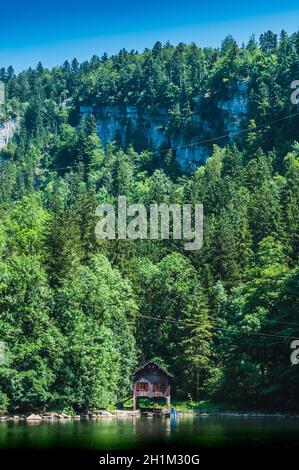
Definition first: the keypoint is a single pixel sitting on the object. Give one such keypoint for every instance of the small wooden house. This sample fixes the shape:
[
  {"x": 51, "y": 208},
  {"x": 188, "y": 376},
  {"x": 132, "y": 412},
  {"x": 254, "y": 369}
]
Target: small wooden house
[{"x": 151, "y": 381}]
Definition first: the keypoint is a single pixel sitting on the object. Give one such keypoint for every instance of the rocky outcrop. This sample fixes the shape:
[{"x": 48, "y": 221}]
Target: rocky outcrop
[
  {"x": 234, "y": 110},
  {"x": 7, "y": 130},
  {"x": 150, "y": 130}
]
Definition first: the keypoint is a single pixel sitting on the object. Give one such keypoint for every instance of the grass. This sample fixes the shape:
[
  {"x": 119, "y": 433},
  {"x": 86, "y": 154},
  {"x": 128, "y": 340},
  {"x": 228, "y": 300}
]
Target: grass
[{"x": 202, "y": 405}]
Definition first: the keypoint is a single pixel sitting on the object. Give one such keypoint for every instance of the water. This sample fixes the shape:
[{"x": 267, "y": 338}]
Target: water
[{"x": 144, "y": 433}]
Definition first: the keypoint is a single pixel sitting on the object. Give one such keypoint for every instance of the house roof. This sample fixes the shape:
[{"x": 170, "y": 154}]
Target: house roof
[{"x": 157, "y": 365}]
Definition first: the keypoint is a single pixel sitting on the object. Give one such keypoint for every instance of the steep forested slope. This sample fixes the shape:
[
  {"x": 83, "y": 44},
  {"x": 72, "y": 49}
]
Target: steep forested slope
[{"x": 76, "y": 315}]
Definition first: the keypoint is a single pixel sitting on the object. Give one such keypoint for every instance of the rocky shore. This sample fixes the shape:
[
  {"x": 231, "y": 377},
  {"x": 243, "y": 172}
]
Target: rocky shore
[
  {"x": 52, "y": 416},
  {"x": 241, "y": 414},
  {"x": 104, "y": 414}
]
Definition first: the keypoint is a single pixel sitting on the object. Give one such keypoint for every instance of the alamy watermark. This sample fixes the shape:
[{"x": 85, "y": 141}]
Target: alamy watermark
[
  {"x": 295, "y": 94},
  {"x": 295, "y": 344},
  {"x": 295, "y": 354},
  {"x": 162, "y": 222}
]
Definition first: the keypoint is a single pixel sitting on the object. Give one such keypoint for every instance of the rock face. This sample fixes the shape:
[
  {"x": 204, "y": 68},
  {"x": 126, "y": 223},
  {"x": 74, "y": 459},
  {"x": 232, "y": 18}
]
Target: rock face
[
  {"x": 235, "y": 110},
  {"x": 7, "y": 130},
  {"x": 150, "y": 130}
]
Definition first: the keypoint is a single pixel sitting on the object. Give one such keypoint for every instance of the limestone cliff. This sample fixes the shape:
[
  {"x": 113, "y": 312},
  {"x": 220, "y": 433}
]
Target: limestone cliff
[
  {"x": 150, "y": 130},
  {"x": 7, "y": 130}
]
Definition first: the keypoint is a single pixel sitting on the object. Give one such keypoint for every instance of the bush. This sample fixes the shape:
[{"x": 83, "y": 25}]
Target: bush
[{"x": 4, "y": 402}]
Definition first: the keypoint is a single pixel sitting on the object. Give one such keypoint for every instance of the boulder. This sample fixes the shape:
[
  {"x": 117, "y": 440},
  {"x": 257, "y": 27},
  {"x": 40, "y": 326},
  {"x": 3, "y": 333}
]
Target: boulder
[
  {"x": 47, "y": 417},
  {"x": 104, "y": 414},
  {"x": 64, "y": 416},
  {"x": 34, "y": 417},
  {"x": 148, "y": 414}
]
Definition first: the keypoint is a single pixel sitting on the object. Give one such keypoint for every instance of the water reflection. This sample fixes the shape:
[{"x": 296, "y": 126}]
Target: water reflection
[{"x": 118, "y": 433}]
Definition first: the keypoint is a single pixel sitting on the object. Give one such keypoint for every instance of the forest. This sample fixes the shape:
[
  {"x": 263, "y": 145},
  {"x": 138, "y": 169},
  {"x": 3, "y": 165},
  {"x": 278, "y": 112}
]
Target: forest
[{"x": 78, "y": 315}]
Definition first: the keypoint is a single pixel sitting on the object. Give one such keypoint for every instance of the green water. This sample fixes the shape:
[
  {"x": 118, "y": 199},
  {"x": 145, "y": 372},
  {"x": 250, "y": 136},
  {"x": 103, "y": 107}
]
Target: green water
[{"x": 134, "y": 433}]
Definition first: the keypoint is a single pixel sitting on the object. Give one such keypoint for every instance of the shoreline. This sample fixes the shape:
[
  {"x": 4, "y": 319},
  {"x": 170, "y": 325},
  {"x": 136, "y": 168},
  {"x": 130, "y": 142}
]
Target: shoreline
[{"x": 104, "y": 414}]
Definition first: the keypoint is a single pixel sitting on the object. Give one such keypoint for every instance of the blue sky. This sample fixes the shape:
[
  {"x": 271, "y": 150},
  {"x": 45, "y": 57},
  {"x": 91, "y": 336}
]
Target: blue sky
[{"x": 52, "y": 32}]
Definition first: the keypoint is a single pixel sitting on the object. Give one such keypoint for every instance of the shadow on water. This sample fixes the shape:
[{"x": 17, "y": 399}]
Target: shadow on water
[{"x": 192, "y": 432}]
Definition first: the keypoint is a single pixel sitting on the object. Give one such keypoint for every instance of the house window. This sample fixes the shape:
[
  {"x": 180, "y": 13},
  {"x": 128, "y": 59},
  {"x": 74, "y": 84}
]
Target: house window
[
  {"x": 157, "y": 387},
  {"x": 142, "y": 386}
]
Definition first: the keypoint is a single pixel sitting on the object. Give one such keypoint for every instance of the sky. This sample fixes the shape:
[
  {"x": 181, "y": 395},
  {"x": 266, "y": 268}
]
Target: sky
[{"x": 51, "y": 32}]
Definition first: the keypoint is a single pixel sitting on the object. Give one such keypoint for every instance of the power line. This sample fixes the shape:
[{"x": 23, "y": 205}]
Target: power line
[
  {"x": 220, "y": 328},
  {"x": 191, "y": 144},
  {"x": 284, "y": 322},
  {"x": 188, "y": 324},
  {"x": 267, "y": 319}
]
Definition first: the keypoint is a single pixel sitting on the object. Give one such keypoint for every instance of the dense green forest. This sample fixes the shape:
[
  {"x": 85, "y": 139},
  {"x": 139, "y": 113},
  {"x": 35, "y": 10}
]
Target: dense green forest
[{"x": 77, "y": 315}]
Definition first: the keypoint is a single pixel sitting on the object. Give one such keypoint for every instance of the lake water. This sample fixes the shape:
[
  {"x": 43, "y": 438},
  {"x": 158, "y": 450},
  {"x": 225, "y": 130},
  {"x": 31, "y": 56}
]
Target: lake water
[{"x": 139, "y": 434}]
